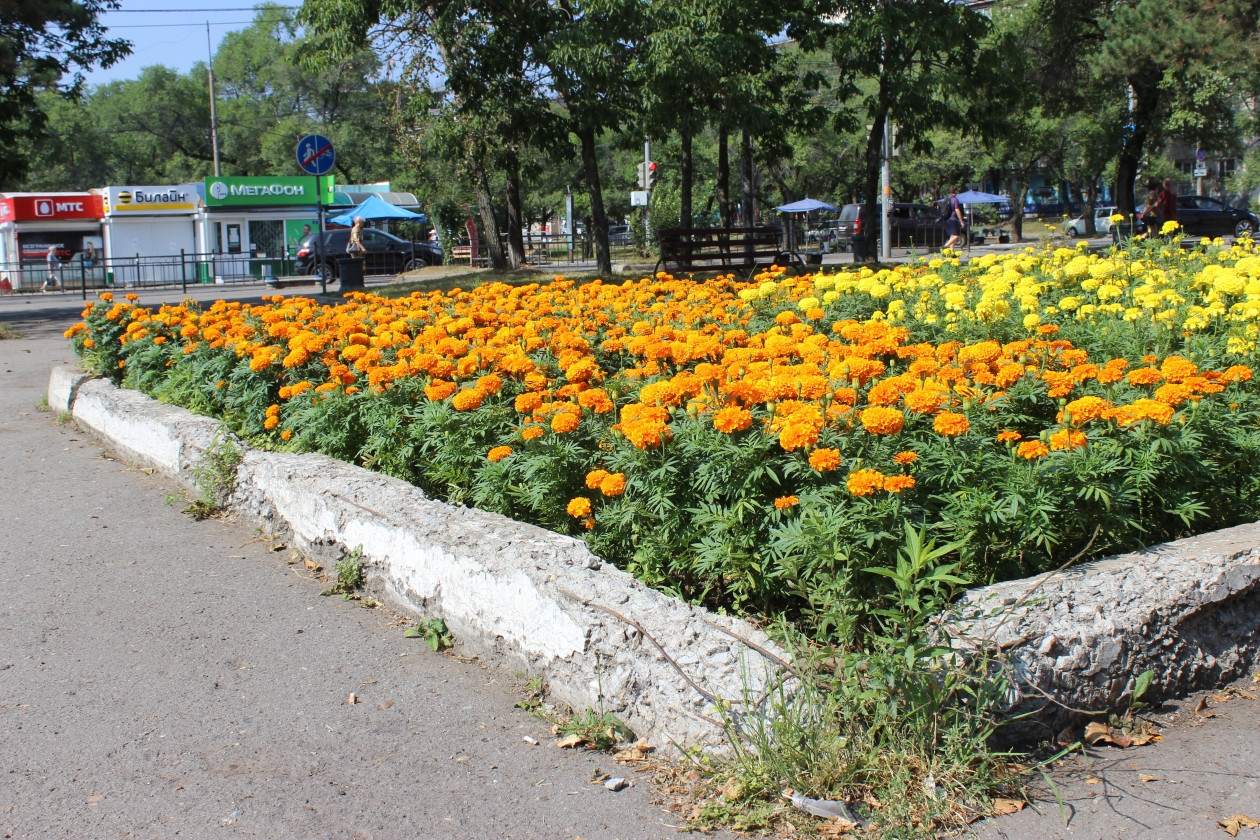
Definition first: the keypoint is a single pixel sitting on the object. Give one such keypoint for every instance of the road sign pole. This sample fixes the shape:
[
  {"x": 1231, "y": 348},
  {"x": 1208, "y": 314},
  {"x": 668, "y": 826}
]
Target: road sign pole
[
  {"x": 647, "y": 183},
  {"x": 885, "y": 246}
]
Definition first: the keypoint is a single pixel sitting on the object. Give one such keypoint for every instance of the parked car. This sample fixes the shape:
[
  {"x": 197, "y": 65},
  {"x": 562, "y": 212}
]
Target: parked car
[
  {"x": 386, "y": 253},
  {"x": 619, "y": 235},
  {"x": 1102, "y": 223},
  {"x": 1201, "y": 215},
  {"x": 917, "y": 225}
]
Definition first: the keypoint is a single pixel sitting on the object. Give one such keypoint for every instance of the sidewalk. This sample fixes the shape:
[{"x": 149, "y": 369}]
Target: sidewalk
[{"x": 160, "y": 675}]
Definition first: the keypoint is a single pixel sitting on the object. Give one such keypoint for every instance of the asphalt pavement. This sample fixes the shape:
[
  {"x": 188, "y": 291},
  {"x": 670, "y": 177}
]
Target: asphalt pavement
[{"x": 164, "y": 677}]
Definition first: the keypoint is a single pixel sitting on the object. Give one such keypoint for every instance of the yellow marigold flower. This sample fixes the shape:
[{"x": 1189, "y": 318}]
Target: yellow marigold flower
[
  {"x": 865, "y": 482},
  {"x": 785, "y": 502},
  {"x": 897, "y": 483},
  {"x": 951, "y": 424},
  {"x": 1168, "y": 227},
  {"x": 498, "y": 453},
  {"x": 905, "y": 458},
  {"x": 878, "y": 420},
  {"x": 1067, "y": 439},
  {"x": 614, "y": 484},
  {"x": 1087, "y": 408},
  {"x": 1032, "y": 449},
  {"x": 594, "y": 477},
  {"x": 579, "y": 508},
  {"x": 732, "y": 419},
  {"x": 825, "y": 460}
]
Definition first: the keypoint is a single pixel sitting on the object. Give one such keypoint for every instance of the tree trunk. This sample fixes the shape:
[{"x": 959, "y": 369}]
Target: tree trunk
[
  {"x": 724, "y": 176},
  {"x": 1017, "y": 202},
  {"x": 872, "y": 221},
  {"x": 599, "y": 218},
  {"x": 747, "y": 208},
  {"x": 516, "y": 243},
  {"x": 489, "y": 224},
  {"x": 1145, "y": 102},
  {"x": 1090, "y": 196},
  {"x": 685, "y": 173}
]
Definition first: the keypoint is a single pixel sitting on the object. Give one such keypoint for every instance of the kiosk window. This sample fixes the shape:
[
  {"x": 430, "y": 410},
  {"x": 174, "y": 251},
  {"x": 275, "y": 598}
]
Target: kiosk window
[
  {"x": 267, "y": 238},
  {"x": 233, "y": 238}
]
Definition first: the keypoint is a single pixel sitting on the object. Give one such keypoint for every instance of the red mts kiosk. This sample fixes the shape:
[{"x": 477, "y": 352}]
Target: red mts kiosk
[{"x": 31, "y": 223}]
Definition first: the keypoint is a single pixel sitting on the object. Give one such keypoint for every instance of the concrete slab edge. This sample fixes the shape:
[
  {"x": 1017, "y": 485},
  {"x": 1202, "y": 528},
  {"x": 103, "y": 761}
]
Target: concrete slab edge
[{"x": 532, "y": 601}]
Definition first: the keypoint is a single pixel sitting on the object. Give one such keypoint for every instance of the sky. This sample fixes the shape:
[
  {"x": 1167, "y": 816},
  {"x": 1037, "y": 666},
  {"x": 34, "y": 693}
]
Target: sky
[{"x": 175, "y": 36}]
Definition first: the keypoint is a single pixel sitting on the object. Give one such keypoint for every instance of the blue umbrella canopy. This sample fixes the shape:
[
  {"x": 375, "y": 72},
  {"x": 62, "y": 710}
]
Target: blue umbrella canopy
[
  {"x": 974, "y": 197},
  {"x": 375, "y": 209},
  {"x": 805, "y": 205}
]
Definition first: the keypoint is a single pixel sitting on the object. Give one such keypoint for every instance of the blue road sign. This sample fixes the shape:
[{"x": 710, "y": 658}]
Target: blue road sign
[
  {"x": 315, "y": 154},
  {"x": 1200, "y": 155}
]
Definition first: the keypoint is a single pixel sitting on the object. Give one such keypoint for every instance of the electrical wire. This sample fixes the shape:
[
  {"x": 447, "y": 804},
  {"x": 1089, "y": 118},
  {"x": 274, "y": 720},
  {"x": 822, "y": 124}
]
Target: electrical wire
[{"x": 180, "y": 11}]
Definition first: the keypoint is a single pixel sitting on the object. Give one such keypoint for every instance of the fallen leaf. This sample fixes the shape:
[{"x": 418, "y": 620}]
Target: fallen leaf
[
  {"x": 1141, "y": 739},
  {"x": 352, "y": 700},
  {"x": 1207, "y": 715},
  {"x": 1093, "y": 780},
  {"x": 598, "y": 776},
  {"x": 1002, "y": 807},
  {"x": 635, "y": 752},
  {"x": 385, "y": 705},
  {"x": 92, "y": 800},
  {"x": 311, "y": 564},
  {"x": 570, "y": 741},
  {"x": 279, "y": 547},
  {"x": 1201, "y": 705},
  {"x": 1255, "y": 678},
  {"x": 732, "y": 790},
  {"x": 1097, "y": 733},
  {"x": 1142, "y": 777},
  {"x": 1066, "y": 738},
  {"x": 1120, "y": 739},
  {"x": 462, "y": 759},
  {"x": 147, "y": 470},
  {"x": 837, "y": 827},
  {"x": 1233, "y": 823}
]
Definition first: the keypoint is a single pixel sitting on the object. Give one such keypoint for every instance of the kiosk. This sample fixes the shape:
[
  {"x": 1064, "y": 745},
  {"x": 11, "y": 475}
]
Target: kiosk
[{"x": 31, "y": 223}]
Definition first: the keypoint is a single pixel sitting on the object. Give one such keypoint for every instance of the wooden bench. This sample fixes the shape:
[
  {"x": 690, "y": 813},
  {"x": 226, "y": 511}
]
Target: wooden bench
[{"x": 747, "y": 249}]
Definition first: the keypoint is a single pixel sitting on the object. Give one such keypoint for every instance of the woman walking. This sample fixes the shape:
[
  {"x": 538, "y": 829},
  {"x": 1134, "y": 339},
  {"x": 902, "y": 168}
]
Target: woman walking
[{"x": 954, "y": 223}]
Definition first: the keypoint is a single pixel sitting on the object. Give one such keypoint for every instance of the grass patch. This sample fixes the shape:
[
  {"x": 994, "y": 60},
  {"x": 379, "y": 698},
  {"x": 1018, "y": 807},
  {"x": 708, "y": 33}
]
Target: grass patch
[
  {"x": 7, "y": 333},
  {"x": 214, "y": 475},
  {"x": 349, "y": 575}
]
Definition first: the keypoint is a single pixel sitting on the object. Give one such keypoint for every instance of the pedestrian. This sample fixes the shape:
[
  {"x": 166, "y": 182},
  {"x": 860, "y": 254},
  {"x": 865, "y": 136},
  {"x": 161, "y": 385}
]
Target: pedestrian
[
  {"x": 1150, "y": 211},
  {"x": 54, "y": 266},
  {"x": 1167, "y": 205},
  {"x": 954, "y": 224},
  {"x": 355, "y": 246}
]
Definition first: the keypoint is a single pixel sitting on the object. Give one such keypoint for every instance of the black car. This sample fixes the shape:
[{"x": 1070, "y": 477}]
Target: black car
[
  {"x": 1200, "y": 215},
  {"x": 386, "y": 253},
  {"x": 913, "y": 225}
]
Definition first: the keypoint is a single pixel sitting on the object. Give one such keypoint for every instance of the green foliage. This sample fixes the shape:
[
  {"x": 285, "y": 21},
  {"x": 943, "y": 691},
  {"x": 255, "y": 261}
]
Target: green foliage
[
  {"x": 433, "y": 631},
  {"x": 349, "y": 575},
  {"x": 214, "y": 476}
]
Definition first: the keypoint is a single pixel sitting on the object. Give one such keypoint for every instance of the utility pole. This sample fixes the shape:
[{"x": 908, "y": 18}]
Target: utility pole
[
  {"x": 214, "y": 122},
  {"x": 568, "y": 217},
  {"x": 647, "y": 183},
  {"x": 885, "y": 245}
]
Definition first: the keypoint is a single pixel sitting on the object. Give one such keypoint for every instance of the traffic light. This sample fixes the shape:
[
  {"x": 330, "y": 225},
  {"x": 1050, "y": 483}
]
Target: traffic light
[
  {"x": 651, "y": 175},
  {"x": 642, "y": 180}
]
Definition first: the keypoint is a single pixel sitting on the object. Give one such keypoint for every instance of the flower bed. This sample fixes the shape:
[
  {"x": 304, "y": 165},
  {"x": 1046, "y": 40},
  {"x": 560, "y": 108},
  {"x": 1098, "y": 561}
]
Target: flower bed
[{"x": 758, "y": 446}]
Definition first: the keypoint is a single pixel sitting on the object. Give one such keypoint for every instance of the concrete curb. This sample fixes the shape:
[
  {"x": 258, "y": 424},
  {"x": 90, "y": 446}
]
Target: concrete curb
[
  {"x": 514, "y": 594},
  {"x": 1189, "y": 610}
]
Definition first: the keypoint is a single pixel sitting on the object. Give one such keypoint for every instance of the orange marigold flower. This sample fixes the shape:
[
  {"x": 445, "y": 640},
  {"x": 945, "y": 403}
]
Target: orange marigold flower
[
  {"x": 825, "y": 460},
  {"x": 865, "y": 482},
  {"x": 815, "y": 313},
  {"x": 646, "y": 434},
  {"x": 732, "y": 419},
  {"x": 107, "y": 296},
  {"x": 527, "y": 402},
  {"x": 785, "y": 502},
  {"x": 878, "y": 420},
  {"x": 1174, "y": 394},
  {"x": 798, "y": 434},
  {"x": 271, "y": 422},
  {"x": 924, "y": 401},
  {"x": 597, "y": 400},
  {"x": 439, "y": 389},
  {"x": 594, "y": 477},
  {"x": 614, "y": 484},
  {"x": 1145, "y": 376},
  {"x": 1067, "y": 439},
  {"x": 565, "y": 421},
  {"x": 286, "y": 434},
  {"x": 1008, "y": 436},
  {"x": 1237, "y": 373},
  {"x": 1085, "y": 409},
  {"x": 1109, "y": 375},
  {"x": 1176, "y": 369},
  {"x": 905, "y": 458},
  {"x": 532, "y": 432},
  {"x": 579, "y": 507},
  {"x": 897, "y": 483},
  {"x": 1047, "y": 329},
  {"x": 497, "y": 454},
  {"x": 1032, "y": 449},
  {"x": 353, "y": 389},
  {"x": 951, "y": 424},
  {"x": 468, "y": 399}
]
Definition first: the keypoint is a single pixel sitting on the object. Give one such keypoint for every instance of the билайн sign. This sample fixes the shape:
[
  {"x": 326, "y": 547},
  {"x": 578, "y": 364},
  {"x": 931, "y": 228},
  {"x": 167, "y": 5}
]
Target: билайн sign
[
  {"x": 148, "y": 201},
  {"x": 254, "y": 191}
]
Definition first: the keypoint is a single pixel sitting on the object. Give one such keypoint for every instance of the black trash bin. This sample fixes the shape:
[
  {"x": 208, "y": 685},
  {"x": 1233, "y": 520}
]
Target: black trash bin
[
  {"x": 350, "y": 270},
  {"x": 858, "y": 244}
]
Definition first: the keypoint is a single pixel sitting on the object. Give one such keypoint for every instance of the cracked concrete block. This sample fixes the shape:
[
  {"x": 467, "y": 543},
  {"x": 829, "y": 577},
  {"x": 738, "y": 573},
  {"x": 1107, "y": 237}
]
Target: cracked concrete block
[{"x": 63, "y": 387}]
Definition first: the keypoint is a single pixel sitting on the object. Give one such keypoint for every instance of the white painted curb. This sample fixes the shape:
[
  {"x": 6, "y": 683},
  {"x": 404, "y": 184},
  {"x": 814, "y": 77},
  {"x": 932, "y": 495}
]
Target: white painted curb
[{"x": 527, "y": 598}]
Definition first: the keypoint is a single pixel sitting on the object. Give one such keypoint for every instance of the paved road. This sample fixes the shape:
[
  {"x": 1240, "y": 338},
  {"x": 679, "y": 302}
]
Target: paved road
[{"x": 161, "y": 677}]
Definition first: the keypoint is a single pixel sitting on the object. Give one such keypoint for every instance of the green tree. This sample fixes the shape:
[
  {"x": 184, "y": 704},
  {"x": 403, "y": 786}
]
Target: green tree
[{"x": 40, "y": 42}]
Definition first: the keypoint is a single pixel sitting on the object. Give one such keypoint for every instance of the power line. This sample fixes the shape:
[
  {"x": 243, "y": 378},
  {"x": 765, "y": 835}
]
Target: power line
[
  {"x": 199, "y": 23},
  {"x": 180, "y": 11}
]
